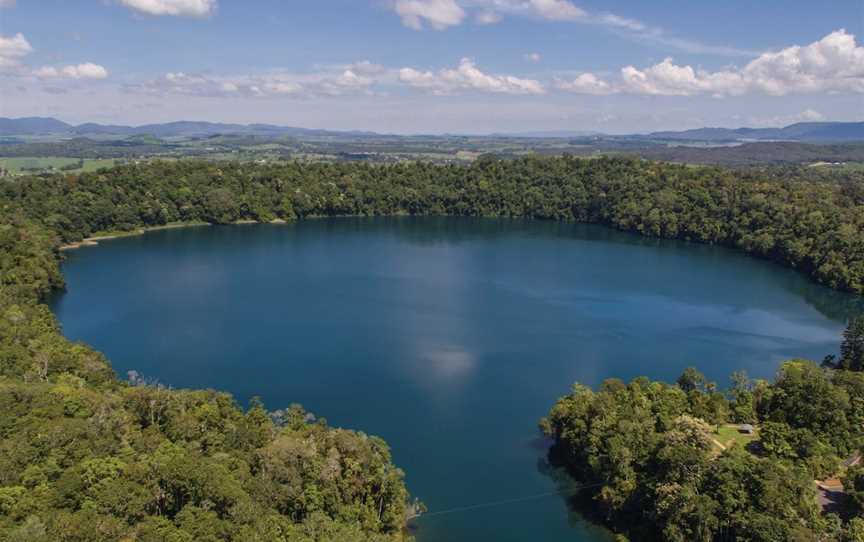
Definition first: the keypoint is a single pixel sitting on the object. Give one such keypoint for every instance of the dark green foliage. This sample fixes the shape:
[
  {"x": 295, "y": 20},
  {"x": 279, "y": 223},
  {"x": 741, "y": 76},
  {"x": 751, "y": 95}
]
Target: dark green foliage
[
  {"x": 852, "y": 348},
  {"x": 814, "y": 226},
  {"x": 664, "y": 476},
  {"x": 146, "y": 460},
  {"x": 854, "y": 484},
  {"x": 86, "y": 457},
  {"x": 758, "y": 153}
]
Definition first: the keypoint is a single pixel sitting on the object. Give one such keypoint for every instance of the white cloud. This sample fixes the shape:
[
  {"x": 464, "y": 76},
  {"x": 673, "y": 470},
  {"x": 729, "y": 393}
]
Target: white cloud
[
  {"x": 586, "y": 83},
  {"x": 12, "y": 50},
  {"x": 669, "y": 79},
  {"x": 357, "y": 78},
  {"x": 273, "y": 87},
  {"x": 622, "y": 22},
  {"x": 365, "y": 67},
  {"x": 487, "y": 16},
  {"x": 196, "y": 84},
  {"x": 552, "y": 10},
  {"x": 439, "y": 14},
  {"x": 442, "y": 14},
  {"x": 347, "y": 82},
  {"x": 180, "y": 8},
  {"x": 87, "y": 70},
  {"x": 533, "y": 57},
  {"x": 468, "y": 77},
  {"x": 808, "y": 115},
  {"x": 833, "y": 64},
  {"x": 556, "y": 10}
]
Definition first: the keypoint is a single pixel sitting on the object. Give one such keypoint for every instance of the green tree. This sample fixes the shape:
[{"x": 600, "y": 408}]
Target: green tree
[{"x": 852, "y": 348}]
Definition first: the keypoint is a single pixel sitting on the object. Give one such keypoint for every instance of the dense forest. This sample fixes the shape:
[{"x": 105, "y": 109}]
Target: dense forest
[
  {"x": 87, "y": 456},
  {"x": 655, "y": 450},
  {"x": 815, "y": 226}
]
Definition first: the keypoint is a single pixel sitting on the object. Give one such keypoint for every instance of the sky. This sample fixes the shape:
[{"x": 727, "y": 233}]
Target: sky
[{"x": 435, "y": 66}]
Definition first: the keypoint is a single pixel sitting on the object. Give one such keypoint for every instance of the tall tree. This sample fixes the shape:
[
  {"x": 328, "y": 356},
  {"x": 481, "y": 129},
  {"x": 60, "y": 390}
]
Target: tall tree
[{"x": 852, "y": 349}]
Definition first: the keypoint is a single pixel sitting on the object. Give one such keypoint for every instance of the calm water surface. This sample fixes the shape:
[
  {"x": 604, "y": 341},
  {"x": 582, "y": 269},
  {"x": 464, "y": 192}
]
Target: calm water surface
[{"x": 449, "y": 338}]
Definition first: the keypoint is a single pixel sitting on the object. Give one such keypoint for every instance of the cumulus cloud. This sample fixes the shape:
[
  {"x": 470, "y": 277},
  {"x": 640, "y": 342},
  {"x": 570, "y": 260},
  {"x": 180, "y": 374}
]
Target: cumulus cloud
[
  {"x": 179, "y": 8},
  {"x": 808, "y": 115},
  {"x": 353, "y": 79},
  {"x": 12, "y": 50},
  {"x": 669, "y": 79},
  {"x": 269, "y": 86},
  {"x": 556, "y": 10},
  {"x": 487, "y": 16},
  {"x": 196, "y": 84},
  {"x": 833, "y": 64},
  {"x": 365, "y": 67},
  {"x": 468, "y": 77},
  {"x": 362, "y": 78},
  {"x": 347, "y": 82},
  {"x": 439, "y": 14},
  {"x": 87, "y": 70},
  {"x": 586, "y": 83}
]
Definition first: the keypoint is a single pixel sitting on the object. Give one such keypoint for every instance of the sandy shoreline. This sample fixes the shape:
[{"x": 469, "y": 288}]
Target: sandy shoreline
[{"x": 94, "y": 240}]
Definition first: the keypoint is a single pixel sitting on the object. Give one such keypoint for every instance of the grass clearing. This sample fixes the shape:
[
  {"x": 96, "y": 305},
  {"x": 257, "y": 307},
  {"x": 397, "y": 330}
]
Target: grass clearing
[
  {"x": 729, "y": 434},
  {"x": 36, "y": 164}
]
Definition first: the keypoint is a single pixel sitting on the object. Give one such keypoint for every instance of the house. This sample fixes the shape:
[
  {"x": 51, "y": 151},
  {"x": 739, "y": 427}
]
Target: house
[{"x": 746, "y": 428}]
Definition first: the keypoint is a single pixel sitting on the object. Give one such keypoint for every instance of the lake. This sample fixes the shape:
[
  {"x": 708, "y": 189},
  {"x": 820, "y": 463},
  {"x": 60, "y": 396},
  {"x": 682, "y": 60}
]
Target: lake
[{"x": 448, "y": 337}]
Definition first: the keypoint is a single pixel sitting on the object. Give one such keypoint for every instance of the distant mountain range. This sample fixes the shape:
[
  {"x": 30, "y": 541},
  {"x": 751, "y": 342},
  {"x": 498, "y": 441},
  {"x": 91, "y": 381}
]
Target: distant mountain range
[
  {"x": 44, "y": 126},
  {"x": 802, "y": 131}
]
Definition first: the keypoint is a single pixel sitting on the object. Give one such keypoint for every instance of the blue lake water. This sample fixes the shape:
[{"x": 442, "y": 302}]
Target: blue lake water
[{"x": 447, "y": 337}]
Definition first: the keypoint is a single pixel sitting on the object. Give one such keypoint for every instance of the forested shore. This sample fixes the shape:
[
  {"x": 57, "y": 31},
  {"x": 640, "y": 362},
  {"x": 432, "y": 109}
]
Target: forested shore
[
  {"x": 690, "y": 462},
  {"x": 85, "y": 455},
  {"x": 814, "y": 226}
]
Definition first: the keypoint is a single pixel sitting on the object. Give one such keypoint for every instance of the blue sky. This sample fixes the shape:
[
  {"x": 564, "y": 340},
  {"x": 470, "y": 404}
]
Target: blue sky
[{"x": 431, "y": 66}]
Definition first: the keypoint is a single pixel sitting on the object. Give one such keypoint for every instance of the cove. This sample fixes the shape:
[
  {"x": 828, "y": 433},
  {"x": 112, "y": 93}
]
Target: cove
[{"x": 448, "y": 337}]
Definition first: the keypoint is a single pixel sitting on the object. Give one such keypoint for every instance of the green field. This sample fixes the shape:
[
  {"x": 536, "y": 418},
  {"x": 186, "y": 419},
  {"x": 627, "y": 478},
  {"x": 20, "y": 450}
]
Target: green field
[
  {"x": 51, "y": 163},
  {"x": 729, "y": 434}
]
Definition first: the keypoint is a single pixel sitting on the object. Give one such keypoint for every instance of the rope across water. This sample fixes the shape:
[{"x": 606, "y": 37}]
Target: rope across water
[{"x": 491, "y": 504}]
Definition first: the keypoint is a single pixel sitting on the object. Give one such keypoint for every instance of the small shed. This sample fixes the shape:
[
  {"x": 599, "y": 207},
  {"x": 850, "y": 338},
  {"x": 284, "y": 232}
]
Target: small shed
[{"x": 746, "y": 429}]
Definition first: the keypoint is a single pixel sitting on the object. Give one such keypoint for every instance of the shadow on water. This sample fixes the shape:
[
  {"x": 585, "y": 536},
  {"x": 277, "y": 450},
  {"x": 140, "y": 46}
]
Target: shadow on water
[
  {"x": 831, "y": 303},
  {"x": 436, "y": 230},
  {"x": 447, "y": 229},
  {"x": 576, "y": 496},
  {"x": 432, "y": 231}
]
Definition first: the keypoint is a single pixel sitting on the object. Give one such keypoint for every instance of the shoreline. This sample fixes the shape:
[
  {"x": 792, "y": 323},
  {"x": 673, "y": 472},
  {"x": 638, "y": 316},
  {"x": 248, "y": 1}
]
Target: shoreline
[{"x": 94, "y": 240}]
